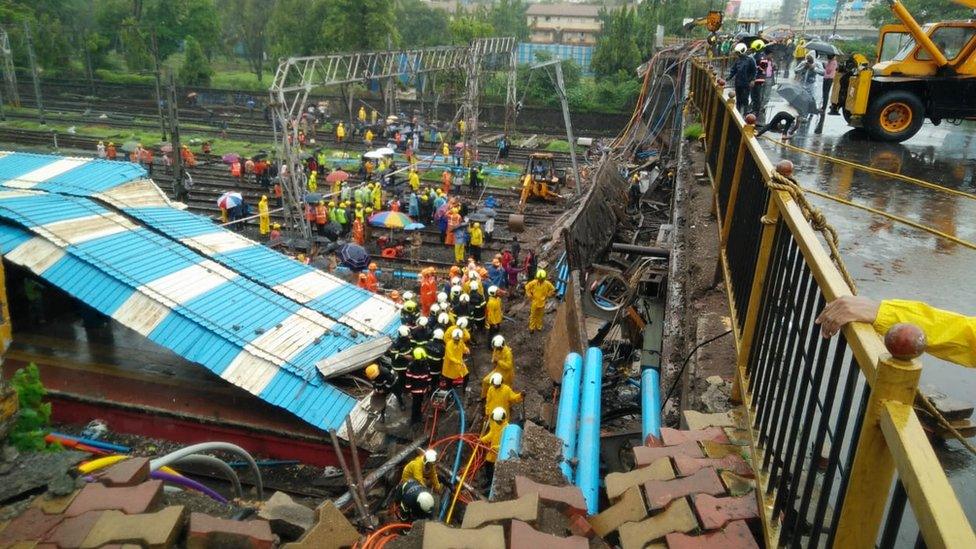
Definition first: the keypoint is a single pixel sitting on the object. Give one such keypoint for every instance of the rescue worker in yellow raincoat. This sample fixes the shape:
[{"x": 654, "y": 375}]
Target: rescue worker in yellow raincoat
[
  {"x": 368, "y": 138},
  {"x": 493, "y": 439},
  {"x": 502, "y": 363},
  {"x": 949, "y": 335},
  {"x": 362, "y": 115},
  {"x": 455, "y": 371},
  {"x": 340, "y": 132},
  {"x": 500, "y": 395},
  {"x": 423, "y": 469},
  {"x": 537, "y": 291},
  {"x": 264, "y": 218},
  {"x": 313, "y": 182},
  {"x": 493, "y": 311},
  {"x": 377, "y": 197},
  {"x": 414, "y": 180}
]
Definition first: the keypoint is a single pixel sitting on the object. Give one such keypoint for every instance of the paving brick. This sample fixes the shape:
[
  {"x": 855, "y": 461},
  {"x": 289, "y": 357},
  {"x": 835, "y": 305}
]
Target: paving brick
[
  {"x": 54, "y": 505},
  {"x": 644, "y": 455},
  {"x": 31, "y": 525},
  {"x": 206, "y": 531},
  {"x": 127, "y": 472},
  {"x": 716, "y": 451},
  {"x": 660, "y": 492},
  {"x": 739, "y": 437},
  {"x": 332, "y": 530},
  {"x": 73, "y": 530},
  {"x": 567, "y": 496},
  {"x": 735, "y": 535},
  {"x": 697, "y": 420},
  {"x": 478, "y": 513},
  {"x": 523, "y": 536},
  {"x": 618, "y": 483},
  {"x": 715, "y": 512},
  {"x": 439, "y": 536},
  {"x": 288, "y": 518},
  {"x": 672, "y": 437},
  {"x": 150, "y": 530},
  {"x": 735, "y": 484},
  {"x": 128, "y": 499},
  {"x": 629, "y": 508},
  {"x": 580, "y": 526},
  {"x": 677, "y": 517},
  {"x": 685, "y": 466}
]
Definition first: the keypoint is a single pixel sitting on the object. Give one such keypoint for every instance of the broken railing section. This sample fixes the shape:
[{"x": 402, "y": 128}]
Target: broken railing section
[{"x": 830, "y": 421}]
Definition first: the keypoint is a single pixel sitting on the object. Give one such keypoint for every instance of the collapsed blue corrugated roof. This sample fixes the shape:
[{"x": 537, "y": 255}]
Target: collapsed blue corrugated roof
[{"x": 108, "y": 236}]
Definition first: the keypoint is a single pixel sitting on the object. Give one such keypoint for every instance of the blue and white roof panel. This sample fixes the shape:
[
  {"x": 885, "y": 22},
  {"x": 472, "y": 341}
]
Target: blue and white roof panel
[{"x": 103, "y": 233}]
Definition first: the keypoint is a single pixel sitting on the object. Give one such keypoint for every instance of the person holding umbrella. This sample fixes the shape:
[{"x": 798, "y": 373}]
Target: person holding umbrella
[{"x": 806, "y": 72}]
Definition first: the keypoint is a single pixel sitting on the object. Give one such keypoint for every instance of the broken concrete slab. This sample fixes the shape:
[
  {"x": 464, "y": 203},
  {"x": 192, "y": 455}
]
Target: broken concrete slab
[
  {"x": 715, "y": 450},
  {"x": 478, "y": 513},
  {"x": 131, "y": 500},
  {"x": 206, "y": 531},
  {"x": 332, "y": 530},
  {"x": 439, "y": 536},
  {"x": 698, "y": 420},
  {"x": 128, "y": 472},
  {"x": 32, "y": 470},
  {"x": 618, "y": 483},
  {"x": 288, "y": 518},
  {"x": 677, "y": 517},
  {"x": 151, "y": 530}
]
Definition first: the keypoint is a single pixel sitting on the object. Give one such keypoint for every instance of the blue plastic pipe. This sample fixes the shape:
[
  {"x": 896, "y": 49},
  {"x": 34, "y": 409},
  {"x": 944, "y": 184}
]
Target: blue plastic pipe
[
  {"x": 568, "y": 413},
  {"x": 460, "y": 446},
  {"x": 650, "y": 403},
  {"x": 511, "y": 443},
  {"x": 588, "y": 445},
  {"x": 100, "y": 444}
]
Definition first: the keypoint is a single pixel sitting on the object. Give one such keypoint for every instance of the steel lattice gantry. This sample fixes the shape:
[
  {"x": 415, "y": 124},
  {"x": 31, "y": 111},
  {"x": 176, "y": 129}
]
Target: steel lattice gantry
[
  {"x": 9, "y": 76},
  {"x": 296, "y": 77}
]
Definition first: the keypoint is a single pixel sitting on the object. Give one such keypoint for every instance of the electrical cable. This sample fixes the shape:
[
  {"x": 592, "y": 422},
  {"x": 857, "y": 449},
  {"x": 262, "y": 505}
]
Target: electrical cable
[
  {"x": 684, "y": 363},
  {"x": 209, "y": 447}
]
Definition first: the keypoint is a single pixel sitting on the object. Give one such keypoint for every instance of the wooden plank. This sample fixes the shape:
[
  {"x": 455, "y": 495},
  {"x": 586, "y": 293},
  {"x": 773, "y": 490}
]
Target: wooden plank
[{"x": 940, "y": 516}]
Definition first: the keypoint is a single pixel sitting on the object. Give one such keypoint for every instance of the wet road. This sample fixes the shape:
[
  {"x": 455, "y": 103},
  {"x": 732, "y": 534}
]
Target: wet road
[{"x": 891, "y": 260}]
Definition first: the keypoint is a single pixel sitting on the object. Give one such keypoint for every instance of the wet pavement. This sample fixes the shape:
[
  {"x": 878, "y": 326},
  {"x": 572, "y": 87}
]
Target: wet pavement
[{"x": 892, "y": 260}]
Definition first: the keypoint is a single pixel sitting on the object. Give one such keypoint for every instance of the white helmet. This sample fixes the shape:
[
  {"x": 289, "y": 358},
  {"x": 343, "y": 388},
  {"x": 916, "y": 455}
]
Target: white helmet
[
  {"x": 498, "y": 414},
  {"x": 498, "y": 341},
  {"x": 740, "y": 48},
  {"x": 422, "y": 321},
  {"x": 439, "y": 334},
  {"x": 425, "y": 501},
  {"x": 403, "y": 330},
  {"x": 430, "y": 456},
  {"x": 473, "y": 275},
  {"x": 495, "y": 379},
  {"x": 456, "y": 289},
  {"x": 474, "y": 284},
  {"x": 435, "y": 308},
  {"x": 441, "y": 297},
  {"x": 457, "y": 334},
  {"x": 408, "y": 296},
  {"x": 443, "y": 319},
  {"x": 464, "y": 298},
  {"x": 462, "y": 322},
  {"x": 456, "y": 281},
  {"x": 492, "y": 290}
]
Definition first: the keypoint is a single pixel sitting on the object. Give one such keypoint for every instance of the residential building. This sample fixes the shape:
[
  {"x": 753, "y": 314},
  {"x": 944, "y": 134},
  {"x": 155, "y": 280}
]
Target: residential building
[{"x": 564, "y": 23}]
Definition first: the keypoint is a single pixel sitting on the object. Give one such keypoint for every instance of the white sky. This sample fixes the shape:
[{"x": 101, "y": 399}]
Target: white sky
[{"x": 755, "y": 8}]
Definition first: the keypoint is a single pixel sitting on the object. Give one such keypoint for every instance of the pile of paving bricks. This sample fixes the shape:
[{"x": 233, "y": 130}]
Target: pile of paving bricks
[
  {"x": 124, "y": 507},
  {"x": 691, "y": 488}
]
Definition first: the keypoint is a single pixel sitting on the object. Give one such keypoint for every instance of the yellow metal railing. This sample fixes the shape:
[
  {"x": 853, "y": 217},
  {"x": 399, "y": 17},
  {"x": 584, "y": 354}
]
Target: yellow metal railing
[{"x": 836, "y": 444}]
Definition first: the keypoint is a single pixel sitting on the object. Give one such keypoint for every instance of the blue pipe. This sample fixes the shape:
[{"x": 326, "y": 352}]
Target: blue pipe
[
  {"x": 650, "y": 403},
  {"x": 460, "y": 446},
  {"x": 568, "y": 413},
  {"x": 100, "y": 444},
  {"x": 510, "y": 447},
  {"x": 588, "y": 450}
]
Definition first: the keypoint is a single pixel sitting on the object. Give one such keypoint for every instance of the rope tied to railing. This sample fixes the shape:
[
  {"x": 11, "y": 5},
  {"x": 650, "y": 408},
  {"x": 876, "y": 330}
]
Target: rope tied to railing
[{"x": 814, "y": 216}]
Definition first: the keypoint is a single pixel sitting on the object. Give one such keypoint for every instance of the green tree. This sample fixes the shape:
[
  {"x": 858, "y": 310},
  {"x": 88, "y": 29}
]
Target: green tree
[
  {"x": 173, "y": 20},
  {"x": 360, "y": 25},
  {"x": 924, "y": 11},
  {"x": 245, "y": 23},
  {"x": 616, "y": 48},
  {"x": 421, "y": 25},
  {"x": 465, "y": 28},
  {"x": 291, "y": 29},
  {"x": 508, "y": 18},
  {"x": 196, "y": 69}
]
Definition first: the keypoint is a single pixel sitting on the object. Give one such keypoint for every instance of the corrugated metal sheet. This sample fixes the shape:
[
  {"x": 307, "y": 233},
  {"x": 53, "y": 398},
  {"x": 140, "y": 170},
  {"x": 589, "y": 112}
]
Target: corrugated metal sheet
[{"x": 256, "y": 318}]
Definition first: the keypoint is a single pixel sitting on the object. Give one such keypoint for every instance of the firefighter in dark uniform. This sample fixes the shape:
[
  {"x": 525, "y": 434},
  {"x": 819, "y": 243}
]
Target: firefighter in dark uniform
[{"x": 418, "y": 382}]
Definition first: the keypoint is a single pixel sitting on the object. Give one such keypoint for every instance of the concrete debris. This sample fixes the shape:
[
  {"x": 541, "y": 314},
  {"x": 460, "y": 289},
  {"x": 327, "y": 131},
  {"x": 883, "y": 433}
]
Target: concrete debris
[{"x": 288, "y": 519}]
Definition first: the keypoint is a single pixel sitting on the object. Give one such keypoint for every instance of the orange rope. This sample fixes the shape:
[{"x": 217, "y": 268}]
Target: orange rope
[{"x": 375, "y": 536}]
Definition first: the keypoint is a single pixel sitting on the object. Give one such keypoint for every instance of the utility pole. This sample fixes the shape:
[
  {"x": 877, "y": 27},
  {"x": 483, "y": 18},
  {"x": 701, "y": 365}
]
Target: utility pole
[
  {"x": 561, "y": 90},
  {"x": 9, "y": 74},
  {"x": 179, "y": 189},
  {"x": 88, "y": 64},
  {"x": 33, "y": 65},
  {"x": 159, "y": 85}
]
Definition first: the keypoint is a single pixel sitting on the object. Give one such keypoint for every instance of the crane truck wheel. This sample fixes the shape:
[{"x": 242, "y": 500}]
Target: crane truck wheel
[{"x": 895, "y": 116}]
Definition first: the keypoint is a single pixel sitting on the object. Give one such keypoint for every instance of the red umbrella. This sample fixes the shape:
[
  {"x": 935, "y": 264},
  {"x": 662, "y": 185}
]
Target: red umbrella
[{"x": 337, "y": 175}]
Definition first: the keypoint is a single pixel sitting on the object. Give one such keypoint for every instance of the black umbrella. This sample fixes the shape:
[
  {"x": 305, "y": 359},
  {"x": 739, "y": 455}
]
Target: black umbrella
[
  {"x": 354, "y": 256},
  {"x": 823, "y": 48},
  {"x": 313, "y": 198},
  {"x": 798, "y": 97}
]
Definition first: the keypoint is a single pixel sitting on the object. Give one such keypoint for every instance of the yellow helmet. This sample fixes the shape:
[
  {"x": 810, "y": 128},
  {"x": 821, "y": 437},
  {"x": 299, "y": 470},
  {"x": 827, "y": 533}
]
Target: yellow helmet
[
  {"x": 540, "y": 274},
  {"x": 419, "y": 353},
  {"x": 372, "y": 371},
  {"x": 757, "y": 45}
]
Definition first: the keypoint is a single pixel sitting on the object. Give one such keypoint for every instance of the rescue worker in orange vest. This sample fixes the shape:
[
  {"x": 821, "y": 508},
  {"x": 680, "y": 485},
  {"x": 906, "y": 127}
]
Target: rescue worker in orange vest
[
  {"x": 110, "y": 151},
  {"x": 374, "y": 282},
  {"x": 363, "y": 281},
  {"x": 358, "y": 232},
  {"x": 321, "y": 217},
  {"x": 493, "y": 439},
  {"x": 264, "y": 216},
  {"x": 446, "y": 179},
  {"x": 538, "y": 291},
  {"x": 310, "y": 216},
  {"x": 453, "y": 220},
  {"x": 428, "y": 290},
  {"x": 493, "y": 311},
  {"x": 275, "y": 232}
]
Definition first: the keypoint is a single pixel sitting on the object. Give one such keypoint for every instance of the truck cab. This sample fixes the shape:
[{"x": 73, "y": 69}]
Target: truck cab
[{"x": 920, "y": 72}]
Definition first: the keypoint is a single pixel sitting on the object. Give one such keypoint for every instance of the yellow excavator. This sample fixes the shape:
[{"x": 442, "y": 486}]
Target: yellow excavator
[
  {"x": 539, "y": 178},
  {"x": 712, "y": 22},
  {"x": 933, "y": 75}
]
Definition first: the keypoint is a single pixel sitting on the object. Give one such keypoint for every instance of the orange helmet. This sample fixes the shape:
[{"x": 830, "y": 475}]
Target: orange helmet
[
  {"x": 362, "y": 276},
  {"x": 373, "y": 266}
]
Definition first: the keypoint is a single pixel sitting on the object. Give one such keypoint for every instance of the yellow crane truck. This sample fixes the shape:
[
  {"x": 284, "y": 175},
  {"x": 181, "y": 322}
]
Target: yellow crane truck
[{"x": 932, "y": 76}]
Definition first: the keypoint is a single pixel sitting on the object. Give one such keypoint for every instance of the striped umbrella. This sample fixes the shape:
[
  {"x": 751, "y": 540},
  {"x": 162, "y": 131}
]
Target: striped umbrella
[
  {"x": 229, "y": 200},
  {"x": 390, "y": 220}
]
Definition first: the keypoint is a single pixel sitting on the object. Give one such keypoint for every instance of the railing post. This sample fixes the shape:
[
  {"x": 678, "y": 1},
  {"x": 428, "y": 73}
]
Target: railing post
[
  {"x": 895, "y": 379},
  {"x": 748, "y": 334},
  {"x": 726, "y": 120},
  {"x": 714, "y": 103},
  {"x": 747, "y": 132}
]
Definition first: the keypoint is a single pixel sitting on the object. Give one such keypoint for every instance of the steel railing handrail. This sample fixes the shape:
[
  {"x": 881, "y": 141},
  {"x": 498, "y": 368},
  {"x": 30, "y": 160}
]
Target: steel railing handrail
[{"x": 890, "y": 438}]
